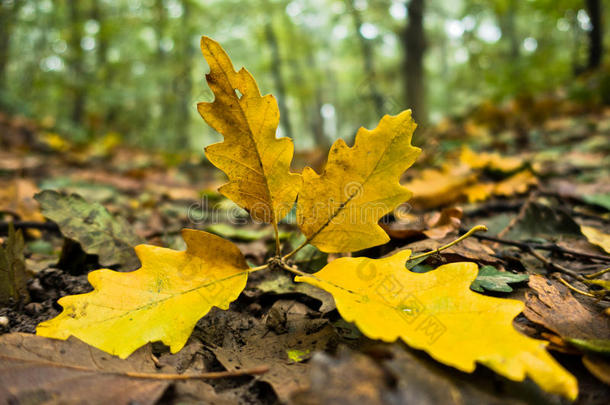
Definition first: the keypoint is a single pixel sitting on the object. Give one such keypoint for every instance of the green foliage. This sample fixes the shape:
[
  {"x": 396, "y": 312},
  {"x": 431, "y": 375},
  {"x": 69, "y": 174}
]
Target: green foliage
[
  {"x": 98, "y": 232},
  {"x": 87, "y": 68},
  {"x": 491, "y": 279}
]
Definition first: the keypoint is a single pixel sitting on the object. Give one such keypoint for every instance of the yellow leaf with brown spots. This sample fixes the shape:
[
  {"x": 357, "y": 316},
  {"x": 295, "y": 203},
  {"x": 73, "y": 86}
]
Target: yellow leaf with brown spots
[{"x": 255, "y": 161}]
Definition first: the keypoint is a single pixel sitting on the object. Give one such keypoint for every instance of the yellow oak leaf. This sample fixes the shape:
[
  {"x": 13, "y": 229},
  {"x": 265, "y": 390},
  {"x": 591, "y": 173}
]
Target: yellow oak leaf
[
  {"x": 437, "y": 312},
  {"x": 338, "y": 210},
  {"x": 255, "y": 161},
  {"x": 161, "y": 301}
]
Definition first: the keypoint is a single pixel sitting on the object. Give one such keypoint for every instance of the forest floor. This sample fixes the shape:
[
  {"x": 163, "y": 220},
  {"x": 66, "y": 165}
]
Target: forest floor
[{"x": 540, "y": 198}]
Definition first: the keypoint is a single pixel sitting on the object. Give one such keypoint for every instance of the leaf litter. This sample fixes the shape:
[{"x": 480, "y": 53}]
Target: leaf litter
[{"x": 158, "y": 213}]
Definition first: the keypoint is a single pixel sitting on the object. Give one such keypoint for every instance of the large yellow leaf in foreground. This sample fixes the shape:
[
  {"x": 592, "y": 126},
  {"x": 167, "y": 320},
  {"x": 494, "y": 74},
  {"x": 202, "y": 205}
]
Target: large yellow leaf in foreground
[
  {"x": 161, "y": 301},
  {"x": 256, "y": 162},
  {"x": 437, "y": 312},
  {"x": 338, "y": 210}
]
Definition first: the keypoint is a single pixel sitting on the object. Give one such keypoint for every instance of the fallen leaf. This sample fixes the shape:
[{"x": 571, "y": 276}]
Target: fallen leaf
[
  {"x": 257, "y": 345},
  {"x": 553, "y": 306},
  {"x": 435, "y": 188},
  {"x": 163, "y": 300},
  {"x": 596, "y": 237},
  {"x": 441, "y": 224},
  {"x": 490, "y": 161},
  {"x": 338, "y": 210},
  {"x": 352, "y": 378},
  {"x": 542, "y": 221},
  {"x": 435, "y": 225},
  {"x": 478, "y": 191},
  {"x": 492, "y": 279},
  {"x": 435, "y": 311},
  {"x": 91, "y": 225},
  {"x": 38, "y": 370},
  {"x": 518, "y": 183},
  {"x": 256, "y": 162},
  {"x": 13, "y": 277}
]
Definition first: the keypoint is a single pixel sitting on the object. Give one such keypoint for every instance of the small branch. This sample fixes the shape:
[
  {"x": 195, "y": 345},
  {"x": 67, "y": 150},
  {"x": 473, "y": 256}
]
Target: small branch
[
  {"x": 152, "y": 376},
  {"x": 289, "y": 255},
  {"x": 263, "y": 267},
  {"x": 556, "y": 266},
  {"x": 476, "y": 228},
  {"x": 571, "y": 287},
  {"x": 599, "y": 273},
  {"x": 293, "y": 270}
]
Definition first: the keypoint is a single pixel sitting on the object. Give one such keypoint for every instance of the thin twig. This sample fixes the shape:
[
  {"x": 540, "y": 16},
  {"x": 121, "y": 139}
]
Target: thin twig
[
  {"x": 550, "y": 247},
  {"x": 253, "y": 269},
  {"x": 289, "y": 255},
  {"x": 152, "y": 376},
  {"x": 556, "y": 266},
  {"x": 599, "y": 273},
  {"x": 476, "y": 228},
  {"x": 294, "y": 270},
  {"x": 571, "y": 287}
]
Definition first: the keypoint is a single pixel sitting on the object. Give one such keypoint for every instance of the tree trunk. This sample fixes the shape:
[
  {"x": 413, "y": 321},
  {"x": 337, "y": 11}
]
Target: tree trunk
[
  {"x": 77, "y": 63},
  {"x": 164, "y": 120},
  {"x": 185, "y": 83},
  {"x": 414, "y": 43},
  {"x": 596, "y": 49},
  {"x": 276, "y": 71},
  {"x": 367, "y": 59},
  {"x": 7, "y": 20}
]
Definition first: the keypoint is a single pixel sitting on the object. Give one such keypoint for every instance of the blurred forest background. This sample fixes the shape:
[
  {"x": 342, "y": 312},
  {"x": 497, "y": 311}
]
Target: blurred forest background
[{"x": 132, "y": 68}]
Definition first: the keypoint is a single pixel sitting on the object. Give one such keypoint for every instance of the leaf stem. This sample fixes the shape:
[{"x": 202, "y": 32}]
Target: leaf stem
[
  {"x": 278, "y": 250},
  {"x": 599, "y": 273},
  {"x": 263, "y": 267},
  {"x": 289, "y": 255},
  {"x": 474, "y": 229},
  {"x": 291, "y": 269}
]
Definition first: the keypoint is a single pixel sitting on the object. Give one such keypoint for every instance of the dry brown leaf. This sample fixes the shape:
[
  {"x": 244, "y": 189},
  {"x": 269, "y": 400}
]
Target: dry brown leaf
[
  {"x": 34, "y": 369},
  {"x": 435, "y": 225},
  {"x": 554, "y": 307}
]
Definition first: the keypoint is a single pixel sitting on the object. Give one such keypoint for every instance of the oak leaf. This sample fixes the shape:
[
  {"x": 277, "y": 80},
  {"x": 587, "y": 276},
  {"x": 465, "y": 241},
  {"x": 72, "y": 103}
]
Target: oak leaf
[
  {"x": 338, "y": 210},
  {"x": 255, "y": 161},
  {"x": 437, "y": 312},
  {"x": 163, "y": 300}
]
